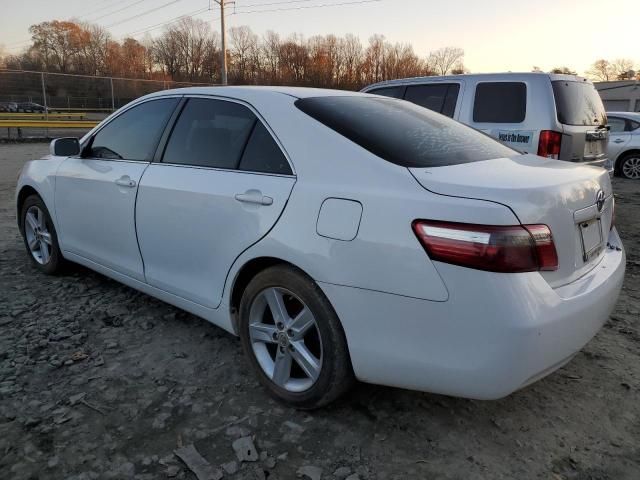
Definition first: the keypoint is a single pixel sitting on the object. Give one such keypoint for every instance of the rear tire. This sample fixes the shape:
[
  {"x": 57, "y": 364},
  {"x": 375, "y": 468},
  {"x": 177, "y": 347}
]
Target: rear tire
[
  {"x": 630, "y": 166},
  {"x": 40, "y": 237},
  {"x": 299, "y": 352}
]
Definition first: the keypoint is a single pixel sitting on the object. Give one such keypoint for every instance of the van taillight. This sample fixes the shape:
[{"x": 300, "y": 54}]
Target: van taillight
[
  {"x": 549, "y": 144},
  {"x": 495, "y": 248}
]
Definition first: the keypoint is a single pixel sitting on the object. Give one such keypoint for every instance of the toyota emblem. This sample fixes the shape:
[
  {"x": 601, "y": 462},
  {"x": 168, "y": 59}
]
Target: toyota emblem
[{"x": 600, "y": 200}]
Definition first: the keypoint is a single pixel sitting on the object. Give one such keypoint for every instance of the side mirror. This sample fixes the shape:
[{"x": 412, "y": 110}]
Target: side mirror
[{"x": 65, "y": 147}]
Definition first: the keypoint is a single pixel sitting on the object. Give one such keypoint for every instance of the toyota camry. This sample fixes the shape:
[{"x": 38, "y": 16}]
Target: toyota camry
[{"x": 340, "y": 235}]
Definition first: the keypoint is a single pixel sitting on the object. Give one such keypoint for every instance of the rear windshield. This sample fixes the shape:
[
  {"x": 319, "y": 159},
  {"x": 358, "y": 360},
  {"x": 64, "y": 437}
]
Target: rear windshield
[
  {"x": 578, "y": 103},
  {"x": 403, "y": 133}
]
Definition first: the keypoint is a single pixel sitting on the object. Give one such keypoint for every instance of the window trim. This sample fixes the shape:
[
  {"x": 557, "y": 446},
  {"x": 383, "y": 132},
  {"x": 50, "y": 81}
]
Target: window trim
[
  {"x": 158, "y": 158},
  {"x": 526, "y": 101},
  {"x": 91, "y": 135}
]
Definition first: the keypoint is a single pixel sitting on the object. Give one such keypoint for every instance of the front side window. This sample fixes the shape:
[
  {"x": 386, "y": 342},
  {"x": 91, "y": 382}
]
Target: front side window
[
  {"x": 134, "y": 134},
  {"x": 210, "y": 133},
  {"x": 500, "y": 102},
  {"x": 441, "y": 97},
  {"x": 401, "y": 132}
]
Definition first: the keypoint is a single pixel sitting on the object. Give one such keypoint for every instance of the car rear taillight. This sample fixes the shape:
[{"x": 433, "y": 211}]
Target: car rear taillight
[
  {"x": 549, "y": 144},
  {"x": 519, "y": 248}
]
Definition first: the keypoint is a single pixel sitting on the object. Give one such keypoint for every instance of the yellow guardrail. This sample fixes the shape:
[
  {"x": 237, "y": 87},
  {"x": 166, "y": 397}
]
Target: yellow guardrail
[
  {"x": 48, "y": 123},
  {"x": 12, "y": 115}
]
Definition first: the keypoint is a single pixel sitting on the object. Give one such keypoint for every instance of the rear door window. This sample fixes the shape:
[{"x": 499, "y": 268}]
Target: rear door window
[
  {"x": 440, "y": 97},
  {"x": 262, "y": 153},
  {"x": 210, "y": 133},
  {"x": 617, "y": 124},
  {"x": 500, "y": 102},
  {"x": 578, "y": 103},
  {"x": 393, "y": 92},
  {"x": 401, "y": 132}
]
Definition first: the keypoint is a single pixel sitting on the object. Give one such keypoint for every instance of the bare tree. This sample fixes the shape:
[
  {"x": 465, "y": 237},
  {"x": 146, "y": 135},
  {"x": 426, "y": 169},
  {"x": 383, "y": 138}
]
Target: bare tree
[
  {"x": 622, "y": 68},
  {"x": 601, "y": 70},
  {"x": 444, "y": 59}
]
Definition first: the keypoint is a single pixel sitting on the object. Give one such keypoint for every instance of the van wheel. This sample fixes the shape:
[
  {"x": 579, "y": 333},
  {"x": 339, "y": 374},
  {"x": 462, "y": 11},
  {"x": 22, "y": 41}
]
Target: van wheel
[
  {"x": 630, "y": 166},
  {"x": 40, "y": 236},
  {"x": 293, "y": 338}
]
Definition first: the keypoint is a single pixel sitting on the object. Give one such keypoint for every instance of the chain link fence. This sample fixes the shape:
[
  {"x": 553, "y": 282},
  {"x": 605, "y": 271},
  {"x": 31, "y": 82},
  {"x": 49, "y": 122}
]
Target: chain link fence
[{"x": 66, "y": 92}]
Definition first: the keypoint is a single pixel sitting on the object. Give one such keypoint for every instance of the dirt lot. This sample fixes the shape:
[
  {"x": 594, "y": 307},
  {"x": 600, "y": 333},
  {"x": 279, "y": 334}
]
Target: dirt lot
[{"x": 100, "y": 381}]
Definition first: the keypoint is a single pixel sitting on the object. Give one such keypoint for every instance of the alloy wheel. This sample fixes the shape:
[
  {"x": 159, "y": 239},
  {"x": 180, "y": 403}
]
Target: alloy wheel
[
  {"x": 631, "y": 167},
  {"x": 285, "y": 339},
  {"x": 38, "y": 235}
]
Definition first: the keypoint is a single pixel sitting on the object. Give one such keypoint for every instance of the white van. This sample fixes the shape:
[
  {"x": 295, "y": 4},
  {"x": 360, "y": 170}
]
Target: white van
[{"x": 555, "y": 116}]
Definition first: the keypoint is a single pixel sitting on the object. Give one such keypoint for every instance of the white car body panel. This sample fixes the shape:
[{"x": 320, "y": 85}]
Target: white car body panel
[
  {"x": 409, "y": 321},
  {"x": 622, "y": 143},
  {"x": 96, "y": 215},
  {"x": 191, "y": 255}
]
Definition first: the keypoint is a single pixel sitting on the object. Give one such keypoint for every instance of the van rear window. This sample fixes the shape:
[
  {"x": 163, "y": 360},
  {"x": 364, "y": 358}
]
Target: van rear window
[
  {"x": 578, "y": 103},
  {"x": 403, "y": 133}
]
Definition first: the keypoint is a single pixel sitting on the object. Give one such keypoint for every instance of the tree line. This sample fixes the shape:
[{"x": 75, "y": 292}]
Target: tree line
[{"x": 189, "y": 50}]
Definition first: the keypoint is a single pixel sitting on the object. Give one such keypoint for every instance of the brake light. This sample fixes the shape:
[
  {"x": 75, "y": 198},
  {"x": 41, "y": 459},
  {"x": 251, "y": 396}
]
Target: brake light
[
  {"x": 549, "y": 144},
  {"x": 510, "y": 249}
]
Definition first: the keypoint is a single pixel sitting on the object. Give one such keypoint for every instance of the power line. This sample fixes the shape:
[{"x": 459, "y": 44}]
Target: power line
[
  {"x": 168, "y": 22},
  {"x": 275, "y": 3},
  {"x": 102, "y": 9},
  {"x": 142, "y": 14},
  {"x": 304, "y": 7},
  {"x": 116, "y": 11}
]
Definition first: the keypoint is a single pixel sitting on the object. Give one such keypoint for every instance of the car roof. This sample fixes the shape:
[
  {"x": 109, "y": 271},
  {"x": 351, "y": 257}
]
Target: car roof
[
  {"x": 632, "y": 115},
  {"x": 481, "y": 76},
  {"x": 250, "y": 92}
]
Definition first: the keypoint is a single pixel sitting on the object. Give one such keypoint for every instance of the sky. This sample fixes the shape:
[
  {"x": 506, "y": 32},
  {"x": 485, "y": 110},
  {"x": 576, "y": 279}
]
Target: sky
[{"x": 496, "y": 35}]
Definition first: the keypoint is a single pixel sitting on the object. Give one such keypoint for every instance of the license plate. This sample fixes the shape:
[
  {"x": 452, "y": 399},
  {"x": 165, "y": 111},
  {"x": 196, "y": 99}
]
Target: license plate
[
  {"x": 591, "y": 236},
  {"x": 594, "y": 148}
]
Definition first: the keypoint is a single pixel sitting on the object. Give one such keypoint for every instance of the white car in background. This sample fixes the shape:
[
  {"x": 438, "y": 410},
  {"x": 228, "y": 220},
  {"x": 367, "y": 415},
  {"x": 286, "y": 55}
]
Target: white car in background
[
  {"x": 624, "y": 143},
  {"x": 554, "y": 116},
  {"x": 340, "y": 235}
]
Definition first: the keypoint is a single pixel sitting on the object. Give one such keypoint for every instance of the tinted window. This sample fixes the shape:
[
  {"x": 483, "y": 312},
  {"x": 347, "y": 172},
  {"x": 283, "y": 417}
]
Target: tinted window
[
  {"x": 210, "y": 133},
  {"x": 500, "y": 102},
  {"x": 633, "y": 125},
  {"x": 578, "y": 103},
  {"x": 262, "y": 153},
  {"x": 134, "y": 134},
  {"x": 440, "y": 97},
  {"x": 401, "y": 132},
  {"x": 394, "y": 92},
  {"x": 617, "y": 124}
]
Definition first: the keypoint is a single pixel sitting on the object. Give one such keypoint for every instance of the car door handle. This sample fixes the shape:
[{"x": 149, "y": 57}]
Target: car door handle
[
  {"x": 125, "y": 181},
  {"x": 254, "y": 196},
  {"x": 618, "y": 140}
]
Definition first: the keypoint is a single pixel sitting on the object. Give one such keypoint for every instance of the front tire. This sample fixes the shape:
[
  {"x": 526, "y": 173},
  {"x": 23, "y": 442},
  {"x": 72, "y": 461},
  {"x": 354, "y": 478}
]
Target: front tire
[
  {"x": 293, "y": 338},
  {"x": 630, "y": 166},
  {"x": 40, "y": 237}
]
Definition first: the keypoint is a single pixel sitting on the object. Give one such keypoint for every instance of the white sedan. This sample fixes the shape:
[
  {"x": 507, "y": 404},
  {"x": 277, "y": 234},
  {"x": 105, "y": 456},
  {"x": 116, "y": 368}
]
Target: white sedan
[
  {"x": 624, "y": 143},
  {"x": 341, "y": 235}
]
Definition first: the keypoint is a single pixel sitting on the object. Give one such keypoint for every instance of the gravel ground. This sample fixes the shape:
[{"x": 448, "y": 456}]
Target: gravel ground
[{"x": 100, "y": 381}]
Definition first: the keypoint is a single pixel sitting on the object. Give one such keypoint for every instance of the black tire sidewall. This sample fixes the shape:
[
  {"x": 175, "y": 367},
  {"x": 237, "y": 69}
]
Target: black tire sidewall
[
  {"x": 55, "y": 262},
  {"x": 623, "y": 161},
  {"x": 336, "y": 367}
]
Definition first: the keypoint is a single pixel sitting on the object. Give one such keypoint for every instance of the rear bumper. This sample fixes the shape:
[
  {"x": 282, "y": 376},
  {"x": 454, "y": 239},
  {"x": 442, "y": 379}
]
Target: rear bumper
[
  {"x": 495, "y": 334},
  {"x": 605, "y": 163}
]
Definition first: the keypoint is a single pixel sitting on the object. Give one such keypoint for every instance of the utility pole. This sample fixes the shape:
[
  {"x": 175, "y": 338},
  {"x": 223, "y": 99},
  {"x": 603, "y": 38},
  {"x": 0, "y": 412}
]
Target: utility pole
[{"x": 223, "y": 34}]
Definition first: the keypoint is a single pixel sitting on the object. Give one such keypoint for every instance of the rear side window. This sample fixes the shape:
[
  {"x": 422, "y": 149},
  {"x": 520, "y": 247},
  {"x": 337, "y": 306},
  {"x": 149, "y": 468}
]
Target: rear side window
[
  {"x": 262, "y": 154},
  {"x": 441, "y": 97},
  {"x": 401, "y": 132},
  {"x": 500, "y": 102},
  {"x": 578, "y": 103},
  {"x": 393, "y": 92},
  {"x": 633, "y": 126},
  {"x": 134, "y": 134},
  {"x": 210, "y": 133}
]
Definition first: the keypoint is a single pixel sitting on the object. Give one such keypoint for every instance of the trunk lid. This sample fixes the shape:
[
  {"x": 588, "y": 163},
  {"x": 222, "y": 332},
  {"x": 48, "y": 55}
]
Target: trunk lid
[{"x": 565, "y": 197}]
